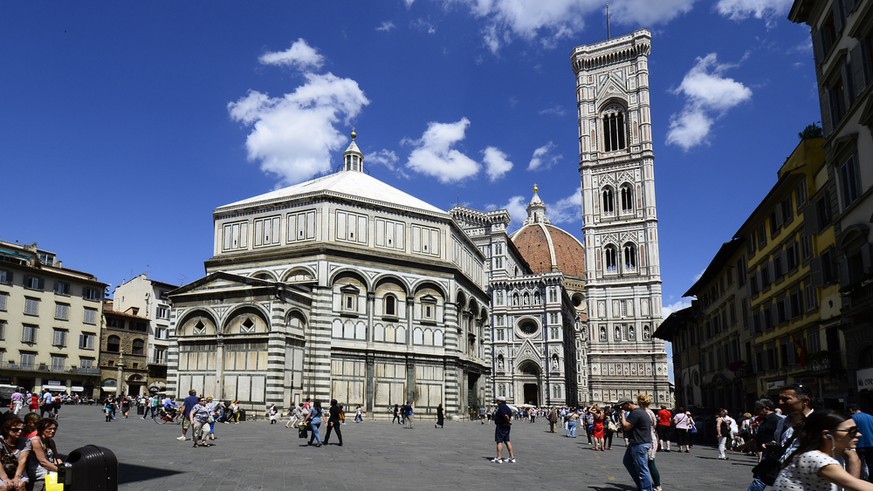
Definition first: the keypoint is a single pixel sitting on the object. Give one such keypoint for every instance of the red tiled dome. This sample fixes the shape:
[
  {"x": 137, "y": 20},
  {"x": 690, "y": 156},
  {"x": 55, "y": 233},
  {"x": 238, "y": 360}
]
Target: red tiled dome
[{"x": 547, "y": 248}]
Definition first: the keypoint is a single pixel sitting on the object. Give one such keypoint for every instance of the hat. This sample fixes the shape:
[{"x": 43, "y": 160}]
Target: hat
[
  {"x": 501, "y": 399},
  {"x": 624, "y": 400},
  {"x": 853, "y": 407},
  {"x": 764, "y": 403}
]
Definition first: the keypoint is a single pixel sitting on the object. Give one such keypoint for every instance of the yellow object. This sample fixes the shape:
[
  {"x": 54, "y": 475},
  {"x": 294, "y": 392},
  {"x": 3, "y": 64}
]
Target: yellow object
[{"x": 51, "y": 482}]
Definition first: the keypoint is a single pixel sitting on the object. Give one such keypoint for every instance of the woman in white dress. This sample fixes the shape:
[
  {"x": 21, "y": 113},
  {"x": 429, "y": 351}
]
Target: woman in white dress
[{"x": 826, "y": 435}]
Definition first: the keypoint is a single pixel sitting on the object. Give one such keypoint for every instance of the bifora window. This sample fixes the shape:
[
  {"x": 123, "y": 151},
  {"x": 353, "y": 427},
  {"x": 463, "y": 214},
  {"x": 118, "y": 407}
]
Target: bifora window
[
  {"x": 608, "y": 197},
  {"x": 613, "y": 128},
  {"x": 627, "y": 198}
]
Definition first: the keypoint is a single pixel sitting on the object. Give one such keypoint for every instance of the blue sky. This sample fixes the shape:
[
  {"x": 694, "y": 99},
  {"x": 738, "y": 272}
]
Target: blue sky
[{"x": 124, "y": 124}]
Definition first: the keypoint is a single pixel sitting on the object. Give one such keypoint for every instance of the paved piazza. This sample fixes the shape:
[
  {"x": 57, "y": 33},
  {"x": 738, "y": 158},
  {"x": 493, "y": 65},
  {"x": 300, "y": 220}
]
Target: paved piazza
[{"x": 255, "y": 455}]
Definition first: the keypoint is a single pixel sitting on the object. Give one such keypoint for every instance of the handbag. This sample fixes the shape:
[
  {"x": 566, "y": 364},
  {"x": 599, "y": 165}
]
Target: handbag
[
  {"x": 611, "y": 426},
  {"x": 211, "y": 419}
]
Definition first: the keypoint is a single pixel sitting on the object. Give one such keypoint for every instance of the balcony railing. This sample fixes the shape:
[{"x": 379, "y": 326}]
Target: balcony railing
[
  {"x": 157, "y": 360},
  {"x": 43, "y": 367}
]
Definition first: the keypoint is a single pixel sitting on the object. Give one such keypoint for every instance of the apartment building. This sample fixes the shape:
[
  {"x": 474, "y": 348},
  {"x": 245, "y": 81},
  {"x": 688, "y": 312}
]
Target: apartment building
[
  {"x": 123, "y": 355},
  {"x": 50, "y": 320}
]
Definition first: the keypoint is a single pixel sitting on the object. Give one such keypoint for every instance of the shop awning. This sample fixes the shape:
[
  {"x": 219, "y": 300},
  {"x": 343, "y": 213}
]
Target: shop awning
[
  {"x": 106, "y": 388},
  {"x": 54, "y": 388},
  {"x": 77, "y": 388}
]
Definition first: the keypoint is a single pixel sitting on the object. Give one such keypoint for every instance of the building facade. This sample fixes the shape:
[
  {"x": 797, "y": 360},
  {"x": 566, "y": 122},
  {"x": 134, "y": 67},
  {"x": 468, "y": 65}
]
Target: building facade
[
  {"x": 123, "y": 345},
  {"x": 144, "y": 297},
  {"x": 842, "y": 39},
  {"x": 622, "y": 266},
  {"x": 340, "y": 287},
  {"x": 50, "y": 322}
]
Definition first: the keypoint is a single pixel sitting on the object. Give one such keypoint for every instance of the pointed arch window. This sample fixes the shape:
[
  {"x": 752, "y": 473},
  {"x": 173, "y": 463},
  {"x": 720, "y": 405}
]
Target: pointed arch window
[
  {"x": 609, "y": 254},
  {"x": 614, "y": 129},
  {"x": 630, "y": 256},
  {"x": 608, "y": 198},
  {"x": 627, "y": 198}
]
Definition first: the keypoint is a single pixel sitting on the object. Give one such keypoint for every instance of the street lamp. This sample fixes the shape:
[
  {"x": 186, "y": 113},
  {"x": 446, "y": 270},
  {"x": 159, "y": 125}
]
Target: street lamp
[{"x": 120, "y": 384}]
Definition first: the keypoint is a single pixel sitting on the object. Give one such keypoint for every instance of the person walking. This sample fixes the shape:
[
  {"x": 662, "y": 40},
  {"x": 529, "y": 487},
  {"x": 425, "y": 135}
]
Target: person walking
[
  {"x": 17, "y": 401},
  {"x": 599, "y": 431},
  {"x": 611, "y": 427},
  {"x": 572, "y": 420},
  {"x": 502, "y": 427},
  {"x": 408, "y": 415},
  {"x": 441, "y": 417},
  {"x": 359, "y": 414},
  {"x": 665, "y": 421},
  {"x": 864, "y": 421},
  {"x": 396, "y": 414},
  {"x": 644, "y": 400},
  {"x": 334, "y": 423},
  {"x": 198, "y": 417},
  {"x": 553, "y": 419},
  {"x": 682, "y": 422},
  {"x": 637, "y": 428},
  {"x": 314, "y": 419},
  {"x": 188, "y": 404},
  {"x": 722, "y": 432}
]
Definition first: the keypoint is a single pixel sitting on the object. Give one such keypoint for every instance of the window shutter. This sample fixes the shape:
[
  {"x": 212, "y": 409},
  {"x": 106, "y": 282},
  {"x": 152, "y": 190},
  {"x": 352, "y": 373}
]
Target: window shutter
[
  {"x": 856, "y": 69},
  {"x": 810, "y": 219},
  {"x": 845, "y": 275},
  {"x": 817, "y": 51},
  {"x": 848, "y": 6},
  {"x": 815, "y": 273},
  {"x": 827, "y": 126},
  {"x": 836, "y": 9}
]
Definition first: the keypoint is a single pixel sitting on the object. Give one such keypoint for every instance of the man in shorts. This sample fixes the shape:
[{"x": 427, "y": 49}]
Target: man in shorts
[
  {"x": 502, "y": 426},
  {"x": 187, "y": 406}
]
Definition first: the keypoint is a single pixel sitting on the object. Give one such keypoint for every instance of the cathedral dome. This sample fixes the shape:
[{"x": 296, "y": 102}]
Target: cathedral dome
[{"x": 547, "y": 248}]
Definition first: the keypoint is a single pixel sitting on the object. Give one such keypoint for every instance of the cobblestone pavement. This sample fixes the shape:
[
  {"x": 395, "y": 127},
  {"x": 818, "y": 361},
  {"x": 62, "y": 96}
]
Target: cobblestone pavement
[{"x": 255, "y": 455}]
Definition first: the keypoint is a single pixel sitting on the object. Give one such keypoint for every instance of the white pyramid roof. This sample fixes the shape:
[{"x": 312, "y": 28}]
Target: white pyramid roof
[{"x": 345, "y": 184}]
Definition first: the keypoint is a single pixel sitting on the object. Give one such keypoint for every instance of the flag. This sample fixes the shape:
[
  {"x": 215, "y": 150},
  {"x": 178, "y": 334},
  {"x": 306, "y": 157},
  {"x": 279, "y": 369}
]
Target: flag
[{"x": 799, "y": 351}]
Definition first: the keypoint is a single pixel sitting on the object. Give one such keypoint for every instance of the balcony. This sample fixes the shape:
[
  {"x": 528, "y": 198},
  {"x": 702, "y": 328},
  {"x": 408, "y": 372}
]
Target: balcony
[
  {"x": 43, "y": 367},
  {"x": 153, "y": 360}
]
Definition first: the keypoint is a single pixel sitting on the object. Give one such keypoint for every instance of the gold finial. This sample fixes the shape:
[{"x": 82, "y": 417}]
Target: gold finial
[
  {"x": 354, "y": 134},
  {"x": 536, "y": 189}
]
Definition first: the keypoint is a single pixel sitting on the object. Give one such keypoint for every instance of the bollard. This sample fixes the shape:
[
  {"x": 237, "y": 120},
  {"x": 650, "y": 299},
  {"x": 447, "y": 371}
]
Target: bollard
[{"x": 90, "y": 468}]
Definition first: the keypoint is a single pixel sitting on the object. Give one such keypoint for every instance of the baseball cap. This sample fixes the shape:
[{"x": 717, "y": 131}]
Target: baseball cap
[
  {"x": 501, "y": 399},
  {"x": 624, "y": 400}
]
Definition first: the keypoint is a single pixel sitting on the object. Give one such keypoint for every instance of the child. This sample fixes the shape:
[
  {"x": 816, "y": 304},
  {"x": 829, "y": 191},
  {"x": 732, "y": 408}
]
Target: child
[{"x": 273, "y": 414}]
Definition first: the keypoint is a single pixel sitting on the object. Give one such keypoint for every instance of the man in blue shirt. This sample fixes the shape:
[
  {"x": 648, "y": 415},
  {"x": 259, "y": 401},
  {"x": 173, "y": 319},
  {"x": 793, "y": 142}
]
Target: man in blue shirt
[
  {"x": 503, "y": 424},
  {"x": 637, "y": 428},
  {"x": 864, "y": 422},
  {"x": 187, "y": 405}
]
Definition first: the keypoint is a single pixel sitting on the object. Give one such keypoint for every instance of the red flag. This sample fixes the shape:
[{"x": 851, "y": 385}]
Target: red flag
[{"x": 800, "y": 351}]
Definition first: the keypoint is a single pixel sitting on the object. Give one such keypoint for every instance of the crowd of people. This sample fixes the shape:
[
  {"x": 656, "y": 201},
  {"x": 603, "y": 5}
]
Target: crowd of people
[{"x": 28, "y": 454}]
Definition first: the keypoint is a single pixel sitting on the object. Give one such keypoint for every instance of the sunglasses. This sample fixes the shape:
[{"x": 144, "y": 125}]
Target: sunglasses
[
  {"x": 852, "y": 432},
  {"x": 16, "y": 430}
]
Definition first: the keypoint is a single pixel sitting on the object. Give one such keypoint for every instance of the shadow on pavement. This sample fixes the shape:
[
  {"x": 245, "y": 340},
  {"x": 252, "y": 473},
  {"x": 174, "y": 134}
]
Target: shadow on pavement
[
  {"x": 613, "y": 487},
  {"x": 128, "y": 473}
]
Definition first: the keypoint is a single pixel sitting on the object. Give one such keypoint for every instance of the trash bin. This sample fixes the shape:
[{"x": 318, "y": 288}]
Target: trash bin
[
  {"x": 140, "y": 410},
  {"x": 242, "y": 414},
  {"x": 90, "y": 468}
]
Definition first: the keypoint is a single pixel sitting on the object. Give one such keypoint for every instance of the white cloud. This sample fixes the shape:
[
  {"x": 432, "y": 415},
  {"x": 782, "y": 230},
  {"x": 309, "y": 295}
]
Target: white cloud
[
  {"x": 435, "y": 156},
  {"x": 554, "y": 111},
  {"x": 708, "y": 96},
  {"x": 674, "y": 307},
  {"x": 517, "y": 208},
  {"x": 554, "y": 20},
  {"x": 299, "y": 55},
  {"x": 385, "y": 26},
  {"x": 496, "y": 163},
  {"x": 767, "y": 10},
  {"x": 543, "y": 157},
  {"x": 567, "y": 210},
  {"x": 292, "y": 135}
]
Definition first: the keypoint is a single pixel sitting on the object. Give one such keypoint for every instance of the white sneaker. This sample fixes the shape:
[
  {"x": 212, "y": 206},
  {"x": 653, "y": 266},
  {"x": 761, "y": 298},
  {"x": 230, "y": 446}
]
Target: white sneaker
[
  {"x": 181, "y": 438},
  {"x": 495, "y": 460},
  {"x": 510, "y": 460}
]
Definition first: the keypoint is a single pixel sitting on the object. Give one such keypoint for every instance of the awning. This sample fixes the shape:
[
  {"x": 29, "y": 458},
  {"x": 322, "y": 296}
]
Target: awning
[
  {"x": 53, "y": 388},
  {"x": 106, "y": 388},
  {"x": 77, "y": 388}
]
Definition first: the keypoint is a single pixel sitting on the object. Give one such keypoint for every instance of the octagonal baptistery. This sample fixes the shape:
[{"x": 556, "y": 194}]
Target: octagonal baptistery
[
  {"x": 342, "y": 287},
  {"x": 547, "y": 248}
]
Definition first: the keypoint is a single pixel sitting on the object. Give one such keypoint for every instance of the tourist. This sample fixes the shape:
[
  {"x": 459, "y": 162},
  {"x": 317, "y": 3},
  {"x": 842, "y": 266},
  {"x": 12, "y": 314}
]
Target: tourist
[
  {"x": 572, "y": 419},
  {"x": 441, "y": 417},
  {"x": 294, "y": 416},
  {"x": 233, "y": 412},
  {"x": 17, "y": 401},
  {"x": 865, "y": 440},
  {"x": 826, "y": 436},
  {"x": 334, "y": 423},
  {"x": 502, "y": 427},
  {"x": 34, "y": 402},
  {"x": 46, "y": 403},
  {"x": 722, "y": 432},
  {"x": 198, "y": 417},
  {"x": 611, "y": 426},
  {"x": 665, "y": 420},
  {"x": 273, "y": 414},
  {"x": 13, "y": 455},
  {"x": 359, "y": 414},
  {"x": 682, "y": 422},
  {"x": 212, "y": 407},
  {"x": 314, "y": 420},
  {"x": 188, "y": 404},
  {"x": 553, "y": 419},
  {"x": 589, "y": 423},
  {"x": 599, "y": 431},
  {"x": 396, "y": 414},
  {"x": 407, "y": 414},
  {"x": 44, "y": 454},
  {"x": 644, "y": 400},
  {"x": 638, "y": 431},
  {"x": 30, "y": 421},
  {"x": 125, "y": 406}
]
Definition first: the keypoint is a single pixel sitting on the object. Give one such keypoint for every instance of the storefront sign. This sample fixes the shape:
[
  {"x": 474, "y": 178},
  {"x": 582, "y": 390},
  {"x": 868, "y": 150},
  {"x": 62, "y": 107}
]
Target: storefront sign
[
  {"x": 864, "y": 379},
  {"x": 775, "y": 385}
]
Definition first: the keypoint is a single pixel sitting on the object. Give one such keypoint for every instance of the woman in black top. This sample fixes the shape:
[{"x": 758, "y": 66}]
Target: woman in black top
[
  {"x": 334, "y": 423},
  {"x": 441, "y": 417}
]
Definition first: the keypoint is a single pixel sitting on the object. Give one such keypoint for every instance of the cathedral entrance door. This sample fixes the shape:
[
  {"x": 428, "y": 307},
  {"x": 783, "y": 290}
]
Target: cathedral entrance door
[{"x": 531, "y": 394}]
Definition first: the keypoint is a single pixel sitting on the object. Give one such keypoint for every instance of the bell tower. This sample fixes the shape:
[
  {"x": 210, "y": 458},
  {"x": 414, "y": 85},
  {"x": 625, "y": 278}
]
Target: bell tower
[{"x": 620, "y": 224}]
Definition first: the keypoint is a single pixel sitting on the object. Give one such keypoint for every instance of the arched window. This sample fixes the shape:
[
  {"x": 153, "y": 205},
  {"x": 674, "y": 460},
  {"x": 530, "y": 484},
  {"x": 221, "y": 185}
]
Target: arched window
[
  {"x": 627, "y": 198},
  {"x": 113, "y": 344},
  {"x": 630, "y": 256},
  {"x": 609, "y": 254},
  {"x": 137, "y": 347},
  {"x": 608, "y": 198},
  {"x": 390, "y": 304},
  {"x": 614, "y": 131}
]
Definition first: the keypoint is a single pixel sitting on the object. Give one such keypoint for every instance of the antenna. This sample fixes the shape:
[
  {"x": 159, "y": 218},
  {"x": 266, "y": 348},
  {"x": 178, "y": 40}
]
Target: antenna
[{"x": 608, "y": 35}]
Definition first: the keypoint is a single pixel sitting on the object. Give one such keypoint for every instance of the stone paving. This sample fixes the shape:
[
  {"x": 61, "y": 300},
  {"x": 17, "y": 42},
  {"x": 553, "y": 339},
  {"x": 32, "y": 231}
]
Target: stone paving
[{"x": 255, "y": 455}]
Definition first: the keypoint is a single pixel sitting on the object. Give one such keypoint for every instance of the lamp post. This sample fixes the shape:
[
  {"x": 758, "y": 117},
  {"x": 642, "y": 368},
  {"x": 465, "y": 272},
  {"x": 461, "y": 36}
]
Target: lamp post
[{"x": 120, "y": 385}]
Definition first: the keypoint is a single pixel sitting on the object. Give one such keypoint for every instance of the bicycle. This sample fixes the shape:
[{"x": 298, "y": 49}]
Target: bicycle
[{"x": 167, "y": 416}]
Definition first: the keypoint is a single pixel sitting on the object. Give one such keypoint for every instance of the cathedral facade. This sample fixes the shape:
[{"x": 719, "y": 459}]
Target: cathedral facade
[{"x": 619, "y": 219}]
